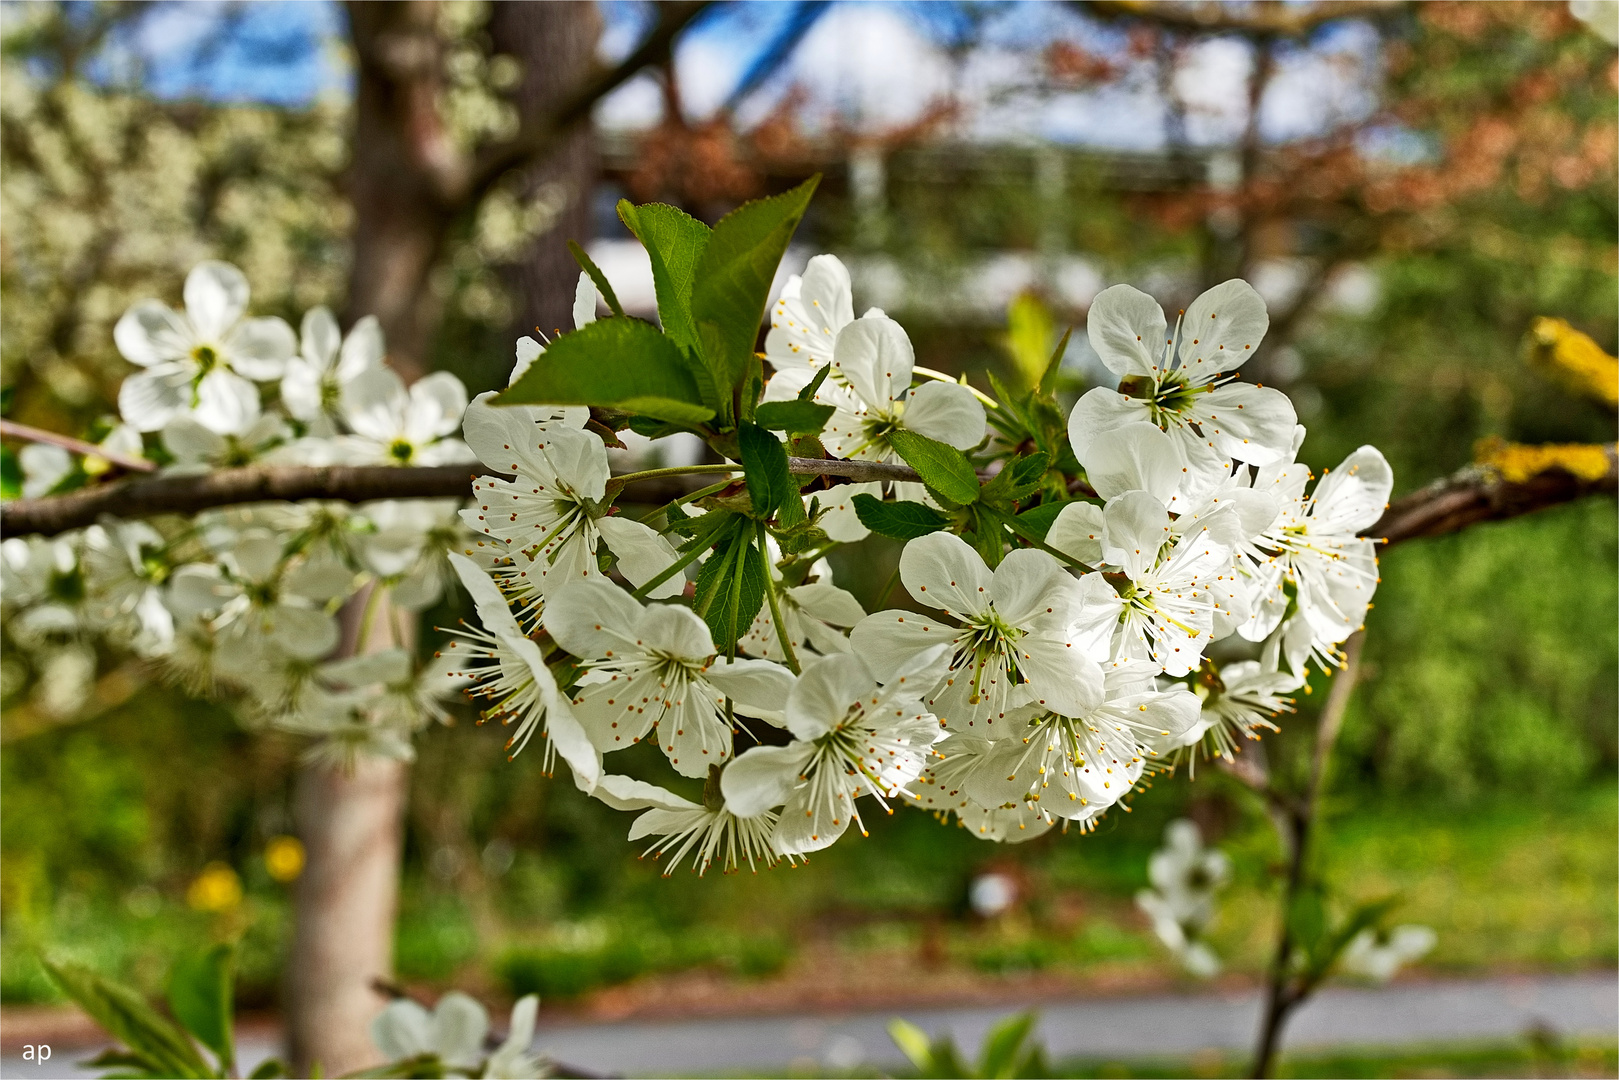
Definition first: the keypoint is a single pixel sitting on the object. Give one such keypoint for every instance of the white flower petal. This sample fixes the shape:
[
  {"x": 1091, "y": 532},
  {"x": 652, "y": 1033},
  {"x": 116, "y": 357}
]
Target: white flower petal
[
  {"x": 459, "y": 1027},
  {"x": 1353, "y": 496},
  {"x": 876, "y": 357},
  {"x": 1137, "y": 526},
  {"x": 149, "y": 399},
  {"x": 593, "y": 618},
  {"x": 1024, "y": 584},
  {"x": 889, "y": 642},
  {"x": 1250, "y": 423},
  {"x": 215, "y": 297},
  {"x": 1222, "y": 329},
  {"x": 1134, "y": 457},
  {"x": 823, "y": 694},
  {"x": 1128, "y": 331},
  {"x": 943, "y": 571},
  {"x": 362, "y": 349},
  {"x": 763, "y": 777},
  {"x": 150, "y": 333},
  {"x": 642, "y": 553},
  {"x": 191, "y": 443},
  {"x": 319, "y": 337},
  {"x": 1100, "y": 411},
  {"x": 226, "y": 402},
  {"x": 1077, "y": 532},
  {"x": 403, "y": 1030},
  {"x": 828, "y": 603},
  {"x": 584, "y": 302},
  {"x": 947, "y": 412},
  {"x": 374, "y": 404}
]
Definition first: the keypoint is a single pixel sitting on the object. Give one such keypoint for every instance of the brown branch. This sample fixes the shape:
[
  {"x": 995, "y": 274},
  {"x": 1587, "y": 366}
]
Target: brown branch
[
  {"x": 188, "y": 494},
  {"x": 1266, "y": 19},
  {"x": 539, "y": 138},
  {"x": 1477, "y": 494},
  {"x": 14, "y": 430}
]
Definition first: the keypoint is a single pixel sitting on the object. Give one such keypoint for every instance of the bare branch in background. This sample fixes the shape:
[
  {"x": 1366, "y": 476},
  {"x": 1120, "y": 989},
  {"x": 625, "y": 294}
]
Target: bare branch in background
[
  {"x": 539, "y": 139},
  {"x": 12, "y": 429},
  {"x": 1477, "y": 494},
  {"x": 1265, "y": 19}
]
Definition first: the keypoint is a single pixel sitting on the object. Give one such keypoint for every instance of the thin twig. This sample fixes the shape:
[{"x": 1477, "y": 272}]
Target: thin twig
[
  {"x": 1297, "y": 825},
  {"x": 13, "y": 430}
]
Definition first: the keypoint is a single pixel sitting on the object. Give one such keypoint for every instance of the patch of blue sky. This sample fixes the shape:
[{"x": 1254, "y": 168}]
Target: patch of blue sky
[{"x": 278, "y": 52}]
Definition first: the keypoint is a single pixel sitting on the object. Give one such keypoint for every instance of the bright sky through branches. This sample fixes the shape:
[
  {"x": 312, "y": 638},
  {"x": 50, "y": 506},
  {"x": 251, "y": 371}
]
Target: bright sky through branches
[{"x": 861, "y": 66}]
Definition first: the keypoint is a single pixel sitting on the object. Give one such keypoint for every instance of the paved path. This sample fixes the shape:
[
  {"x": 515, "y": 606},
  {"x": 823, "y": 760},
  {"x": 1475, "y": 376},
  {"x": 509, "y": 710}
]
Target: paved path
[{"x": 1575, "y": 1006}]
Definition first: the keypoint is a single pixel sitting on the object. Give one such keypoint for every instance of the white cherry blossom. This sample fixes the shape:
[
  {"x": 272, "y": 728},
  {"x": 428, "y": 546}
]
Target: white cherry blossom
[
  {"x": 811, "y": 310},
  {"x": 393, "y": 425},
  {"x": 326, "y": 363},
  {"x": 204, "y": 361},
  {"x": 552, "y": 513},
  {"x": 851, "y": 737},
  {"x": 1312, "y": 559},
  {"x": 260, "y": 599},
  {"x": 654, "y": 667},
  {"x": 1184, "y": 383}
]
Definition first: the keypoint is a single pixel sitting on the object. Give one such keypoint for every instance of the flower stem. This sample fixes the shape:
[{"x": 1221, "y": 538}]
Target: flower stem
[
  {"x": 930, "y": 373},
  {"x": 775, "y": 609}
]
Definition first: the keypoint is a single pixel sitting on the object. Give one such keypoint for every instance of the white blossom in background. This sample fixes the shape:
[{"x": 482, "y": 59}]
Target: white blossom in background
[
  {"x": 324, "y": 366},
  {"x": 43, "y": 466},
  {"x": 1186, "y": 878},
  {"x": 204, "y": 361},
  {"x": 1378, "y": 954},
  {"x": 454, "y": 1032},
  {"x": 197, "y": 448},
  {"x": 393, "y": 425}
]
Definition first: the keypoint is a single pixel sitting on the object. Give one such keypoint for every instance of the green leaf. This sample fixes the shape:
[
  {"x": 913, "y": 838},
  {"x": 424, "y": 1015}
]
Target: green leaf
[
  {"x": 1017, "y": 480},
  {"x": 731, "y": 586},
  {"x": 1048, "y": 381},
  {"x": 794, "y": 417},
  {"x": 808, "y": 393},
  {"x": 201, "y": 995},
  {"x": 912, "y": 1042},
  {"x": 764, "y": 464},
  {"x": 603, "y": 286},
  {"x": 903, "y": 520},
  {"x": 269, "y": 1069},
  {"x": 674, "y": 241},
  {"x": 733, "y": 276},
  {"x": 1029, "y": 327},
  {"x": 127, "y": 1018},
  {"x": 1038, "y": 520},
  {"x": 943, "y": 468},
  {"x": 622, "y": 363},
  {"x": 999, "y": 1057}
]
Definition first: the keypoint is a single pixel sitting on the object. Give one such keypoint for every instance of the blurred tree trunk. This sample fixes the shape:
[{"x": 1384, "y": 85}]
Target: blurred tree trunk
[
  {"x": 400, "y": 149},
  {"x": 556, "y": 45},
  {"x": 352, "y": 826}
]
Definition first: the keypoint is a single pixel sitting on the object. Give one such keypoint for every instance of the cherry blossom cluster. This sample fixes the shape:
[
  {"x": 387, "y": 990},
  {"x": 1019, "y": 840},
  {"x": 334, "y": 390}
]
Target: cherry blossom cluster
[
  {"x": 1173, "y": 605},
  {"x": 245, "y": 599}
]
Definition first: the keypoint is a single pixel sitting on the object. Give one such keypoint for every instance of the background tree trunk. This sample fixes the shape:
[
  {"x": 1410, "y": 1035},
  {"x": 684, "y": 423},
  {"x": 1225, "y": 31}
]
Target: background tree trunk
[
  {"x": 556, "y": 45},
  {"x": 400, "y": 152},
  {"x": 352, "y": 827}
]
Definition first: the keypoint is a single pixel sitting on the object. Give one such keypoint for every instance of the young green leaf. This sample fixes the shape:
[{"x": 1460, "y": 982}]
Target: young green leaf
[
  {"x": 733, "y": 276},
  {"x": 999, "y": 1057},
  {"x": 1048, "y": 380},
  {"x": 912, "y": 1042},
  {"x": 623, "y": 363},
  {"x": 808, "y": 393},
  {"x": 764, "y": 464},
  {"x": 603, "y": 286},
  {"x": 903, "y": 520},
  {"x": 1038, "y": 520},
  {"x": 674, "y": 241},
  {"x": 793, "y": 417},
  {"x": 269, "y": 1069},
  {"x": 127, "y": 1018},
  {"x": 200, "y": 996},
  {"x": 730, "y": 587},
  {"x": 943, "y": 468}
]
